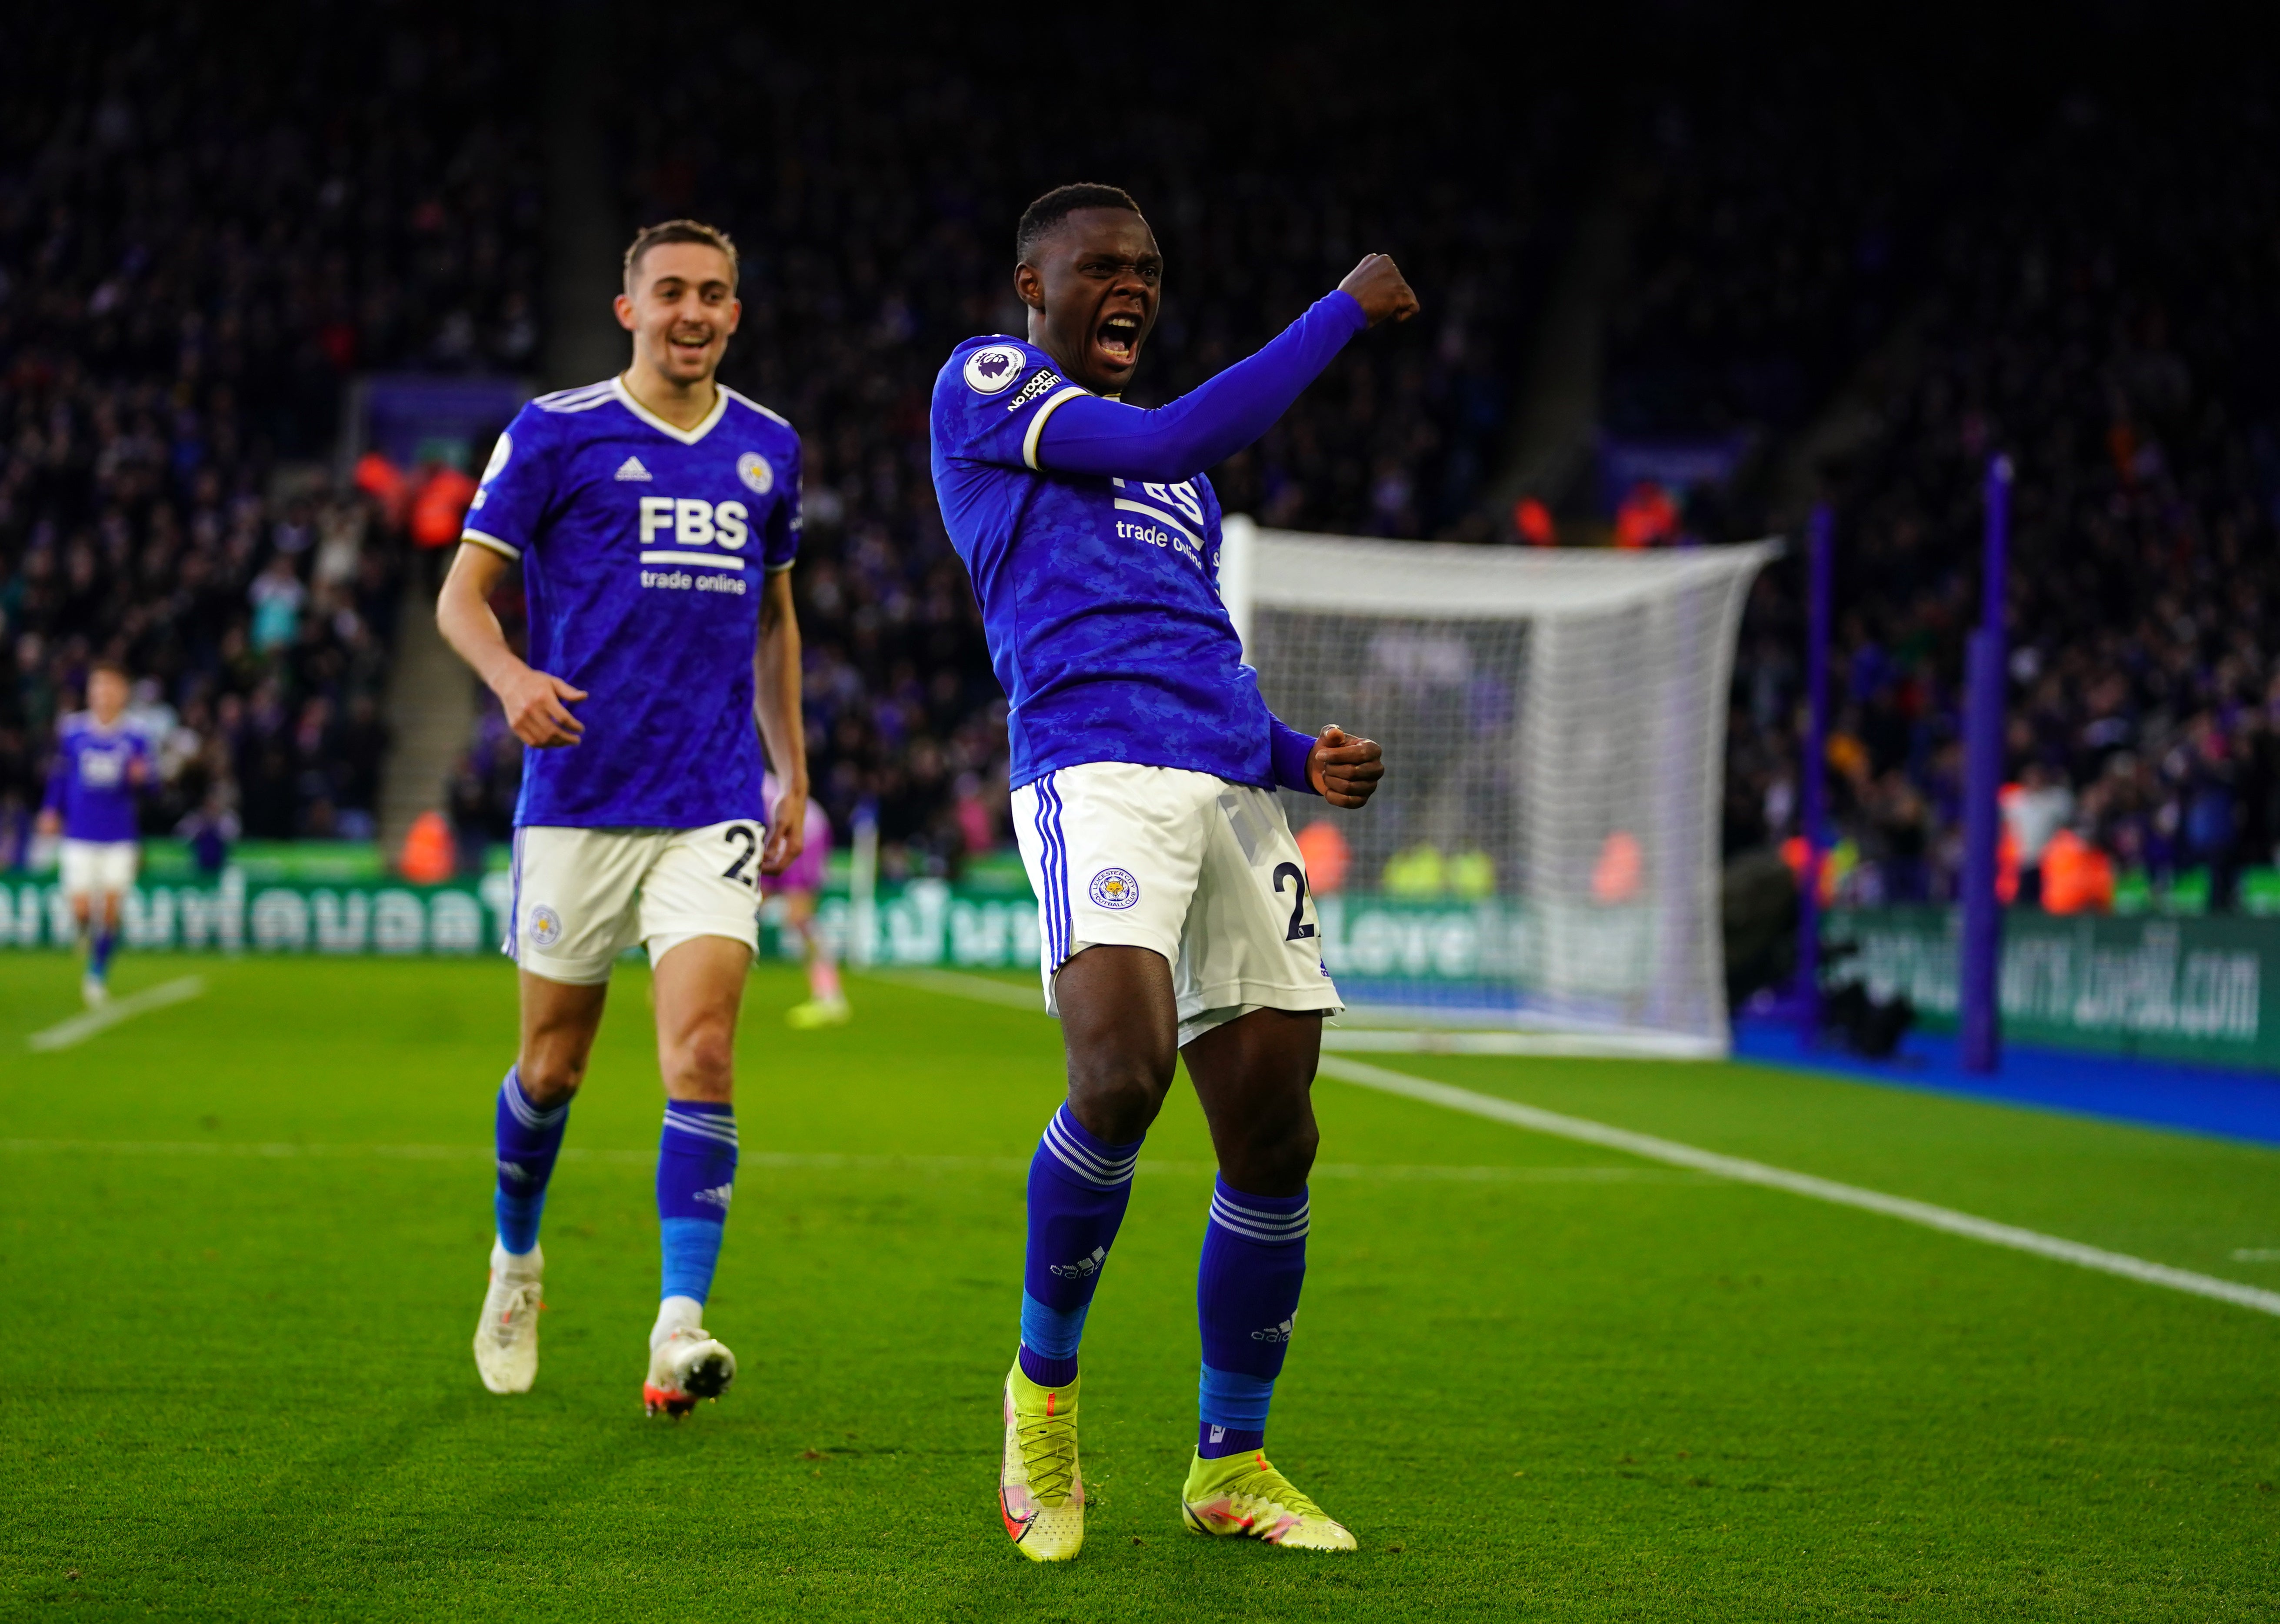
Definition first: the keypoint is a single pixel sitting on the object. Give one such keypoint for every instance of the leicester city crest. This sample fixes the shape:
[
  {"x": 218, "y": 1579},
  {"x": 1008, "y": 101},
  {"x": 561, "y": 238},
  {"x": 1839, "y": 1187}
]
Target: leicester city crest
[
  {"x": 992, "y": 369},
  {"x": 1114, "y": 888},
  {"x": 545, "y": 925},
  {"x": 753, "y": 469}
]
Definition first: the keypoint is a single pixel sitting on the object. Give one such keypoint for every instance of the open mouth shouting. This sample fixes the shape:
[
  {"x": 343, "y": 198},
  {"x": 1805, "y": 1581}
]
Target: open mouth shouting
[{"x": 1118, "y": 340}]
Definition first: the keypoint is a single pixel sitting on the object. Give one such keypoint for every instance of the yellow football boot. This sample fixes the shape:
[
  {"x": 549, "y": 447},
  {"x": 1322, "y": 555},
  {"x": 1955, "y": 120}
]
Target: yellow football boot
[
  {"x": 1240, "y": 1496},
  {"x": 1039, "y": 1491}
]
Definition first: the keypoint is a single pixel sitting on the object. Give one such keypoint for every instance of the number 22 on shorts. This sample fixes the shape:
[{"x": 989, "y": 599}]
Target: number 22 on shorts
[{"x": 744, "y": 835}]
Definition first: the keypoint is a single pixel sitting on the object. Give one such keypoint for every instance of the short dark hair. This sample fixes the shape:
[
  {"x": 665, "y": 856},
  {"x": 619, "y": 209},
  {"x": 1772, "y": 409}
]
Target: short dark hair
[
  {"x": 1058, "y": 205},
  {"x": 104, "y": 661},
  {"x": 679, "y": 231}
]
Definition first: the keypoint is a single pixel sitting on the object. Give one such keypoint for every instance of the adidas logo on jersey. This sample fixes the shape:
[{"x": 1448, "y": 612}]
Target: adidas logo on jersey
[
  {"x": 718, "y": 1196},
  {"x": 632, "y": 469}
]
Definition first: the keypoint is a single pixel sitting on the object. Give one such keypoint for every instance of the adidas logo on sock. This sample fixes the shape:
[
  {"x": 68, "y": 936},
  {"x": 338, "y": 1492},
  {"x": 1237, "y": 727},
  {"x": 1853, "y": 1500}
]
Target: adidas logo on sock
[
  {"x": 632, "y": 469},
  {"x": 516, "y": 1171},
  {"x": 1084, "y": 1268},
  {"x": 1273, "y": 1333},
  {"x": 718, "y": 1196}
]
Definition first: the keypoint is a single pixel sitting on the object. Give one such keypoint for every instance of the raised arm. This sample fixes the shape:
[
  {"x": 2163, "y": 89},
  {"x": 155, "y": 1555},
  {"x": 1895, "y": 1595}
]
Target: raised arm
[{"x": 1218, "y": 418}]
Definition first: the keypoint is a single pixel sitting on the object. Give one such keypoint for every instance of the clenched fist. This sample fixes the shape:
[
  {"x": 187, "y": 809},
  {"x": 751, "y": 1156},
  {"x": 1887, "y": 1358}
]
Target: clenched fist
[
  {"x": 1344, "y": 770},
  {"x": 1377, "y": 285}
]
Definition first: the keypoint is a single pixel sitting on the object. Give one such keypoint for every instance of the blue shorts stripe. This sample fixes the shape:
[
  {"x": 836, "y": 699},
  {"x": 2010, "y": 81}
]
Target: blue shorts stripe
[
  {"x": 1046, "y": 878},
  {"x": 1057, "y": 920},
  {"x": 1059, "y": 870},
  {"x": 514, "y": 900}
]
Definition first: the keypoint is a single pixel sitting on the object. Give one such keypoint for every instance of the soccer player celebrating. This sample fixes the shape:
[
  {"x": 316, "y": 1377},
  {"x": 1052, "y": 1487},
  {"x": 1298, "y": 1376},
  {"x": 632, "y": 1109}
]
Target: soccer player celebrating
[
  {"x": 655, "y": 515},
  {"x": 100, "y": 764},
  {"x": 1173, "y": 899}
]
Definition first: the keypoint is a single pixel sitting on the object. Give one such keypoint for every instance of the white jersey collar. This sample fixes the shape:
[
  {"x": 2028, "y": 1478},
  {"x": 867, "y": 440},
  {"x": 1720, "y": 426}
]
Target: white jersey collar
[{"x": 687, "y": 436}]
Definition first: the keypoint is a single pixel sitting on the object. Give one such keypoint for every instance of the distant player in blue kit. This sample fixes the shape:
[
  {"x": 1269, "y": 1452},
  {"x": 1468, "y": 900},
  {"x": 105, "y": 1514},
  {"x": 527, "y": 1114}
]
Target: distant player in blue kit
[
  {"x": 1174, "y": 903},
  {"x": 655, "y": 516},
  {"x": 100, "y": 766}
]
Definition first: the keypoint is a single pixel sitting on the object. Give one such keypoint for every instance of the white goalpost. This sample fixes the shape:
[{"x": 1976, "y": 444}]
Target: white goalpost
[{"x": 1538, "y": 873}]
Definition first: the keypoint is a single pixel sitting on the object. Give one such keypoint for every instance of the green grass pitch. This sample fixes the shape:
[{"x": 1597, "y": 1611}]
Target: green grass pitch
[{"x": 241, "y": 1245}]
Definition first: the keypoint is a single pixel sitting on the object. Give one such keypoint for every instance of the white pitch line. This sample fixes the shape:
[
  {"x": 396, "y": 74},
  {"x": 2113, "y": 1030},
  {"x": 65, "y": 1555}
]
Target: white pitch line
[
  {"x": 1676, "y": 1155},
  {"x": 78, "y": 1028}
]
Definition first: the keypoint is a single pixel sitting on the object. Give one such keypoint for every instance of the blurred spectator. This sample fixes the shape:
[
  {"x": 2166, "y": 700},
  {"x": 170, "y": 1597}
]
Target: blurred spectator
[{"x": 209, "y": 219}]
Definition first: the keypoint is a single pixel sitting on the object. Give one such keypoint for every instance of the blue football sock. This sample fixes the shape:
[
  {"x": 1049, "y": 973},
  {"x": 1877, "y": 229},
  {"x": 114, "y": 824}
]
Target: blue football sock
[
  {"x": 98, "y": 953},
  {"x": 527, "y": 1141},
  {"x": 1246, "y": 1294},
  {"x": 696, "y": 1176},
  {"x": 1078, "y": 1189}
]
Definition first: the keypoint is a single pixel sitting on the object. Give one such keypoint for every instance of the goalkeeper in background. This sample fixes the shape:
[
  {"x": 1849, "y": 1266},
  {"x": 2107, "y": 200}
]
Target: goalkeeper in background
[{"x": 1172, "y": 900}]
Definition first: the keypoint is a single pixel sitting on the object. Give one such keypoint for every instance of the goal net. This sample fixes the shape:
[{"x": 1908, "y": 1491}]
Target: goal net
[{"x": 1539, "y": 870}]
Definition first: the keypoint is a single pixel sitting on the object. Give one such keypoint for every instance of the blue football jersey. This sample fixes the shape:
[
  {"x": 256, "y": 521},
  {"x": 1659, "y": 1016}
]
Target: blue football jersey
[
  {"x": 93, "y": 781},
  {"x": 644, "y": 549},
  {"x": 1099, "y": 596}
]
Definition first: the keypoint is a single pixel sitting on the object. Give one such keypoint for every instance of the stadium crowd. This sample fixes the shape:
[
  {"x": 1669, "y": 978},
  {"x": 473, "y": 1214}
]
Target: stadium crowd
[
  {"x": 207, "y": 226},
  {"x": 2101, "y": 312}
]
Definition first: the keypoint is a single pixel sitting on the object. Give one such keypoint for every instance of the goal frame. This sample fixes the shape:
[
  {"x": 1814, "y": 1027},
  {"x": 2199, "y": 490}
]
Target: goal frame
[{"x": 1550, "y": 587}]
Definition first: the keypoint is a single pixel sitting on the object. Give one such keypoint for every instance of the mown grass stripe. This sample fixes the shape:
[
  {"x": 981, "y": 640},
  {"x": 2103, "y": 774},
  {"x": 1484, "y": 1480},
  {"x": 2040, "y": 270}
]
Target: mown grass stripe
[
  {"x": 825, "y": 1161},
  {"x": 1671, "y": 1152}
]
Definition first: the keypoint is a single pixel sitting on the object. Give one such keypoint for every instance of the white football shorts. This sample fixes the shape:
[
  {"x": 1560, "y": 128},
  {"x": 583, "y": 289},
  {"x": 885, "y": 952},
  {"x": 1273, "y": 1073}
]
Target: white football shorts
[
  {"x": 582, "y": 897},
  {"x": 1202, "y": 871},
  {"x": 99, "y": 867}
]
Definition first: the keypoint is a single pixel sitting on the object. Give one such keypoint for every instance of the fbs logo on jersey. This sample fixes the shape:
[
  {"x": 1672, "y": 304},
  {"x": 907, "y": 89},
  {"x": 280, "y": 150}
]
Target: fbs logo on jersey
[
  {"x": 632, "y": 469},
  {"x": 1114, "y": 888},
  {"x": 694, "y": 522},
  {"x": 545, "y": 927},
  {"x": 991, "y": 369},
  {"x": 753, "y": 469}
]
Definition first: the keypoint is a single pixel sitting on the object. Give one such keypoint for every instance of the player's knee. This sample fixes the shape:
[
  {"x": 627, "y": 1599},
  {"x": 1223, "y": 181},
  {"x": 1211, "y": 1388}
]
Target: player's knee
[
  {"x": 1117, "y": 1098},
  {"x": 549, "y": 1078},
  {"x": 701, "y": 1065},
  {"x": 1274, "y": 1157},
  {"x": 1290, "y": 1155}
]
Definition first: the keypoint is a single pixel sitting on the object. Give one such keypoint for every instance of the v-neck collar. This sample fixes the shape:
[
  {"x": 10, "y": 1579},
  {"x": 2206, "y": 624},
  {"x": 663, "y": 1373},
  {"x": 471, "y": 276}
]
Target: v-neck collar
[{"x": 687, "y": 436}]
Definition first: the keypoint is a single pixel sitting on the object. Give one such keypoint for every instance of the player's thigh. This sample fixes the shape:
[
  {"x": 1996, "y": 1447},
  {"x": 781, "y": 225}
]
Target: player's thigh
[
  {"x": 559, "y": 1021},
  {"x": 117, "y": 863},
  {"x": 704, "y": 882},
  {"x": 576, "y": 893},
  {"x": 1252, "y": 939},
  {"x": 1113, "y": 851},
  {"x": 698, "y": 987},
  {"x": 75, "y": 866}
]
